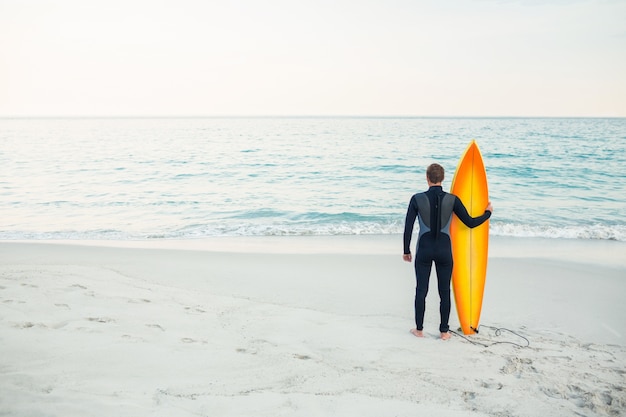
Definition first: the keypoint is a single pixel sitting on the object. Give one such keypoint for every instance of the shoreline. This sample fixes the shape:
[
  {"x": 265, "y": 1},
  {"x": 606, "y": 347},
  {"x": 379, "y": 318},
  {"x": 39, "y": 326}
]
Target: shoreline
[
  {"x": 303, "y": 326},
  {"x": 608, "y": 253}
]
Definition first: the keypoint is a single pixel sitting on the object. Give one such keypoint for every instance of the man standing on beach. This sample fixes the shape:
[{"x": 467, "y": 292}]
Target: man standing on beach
[{"x": 434, "y": 209}]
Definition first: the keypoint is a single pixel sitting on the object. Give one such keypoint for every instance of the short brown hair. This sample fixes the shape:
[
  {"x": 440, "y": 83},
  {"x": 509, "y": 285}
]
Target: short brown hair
[{"x": 435, "y": 173}]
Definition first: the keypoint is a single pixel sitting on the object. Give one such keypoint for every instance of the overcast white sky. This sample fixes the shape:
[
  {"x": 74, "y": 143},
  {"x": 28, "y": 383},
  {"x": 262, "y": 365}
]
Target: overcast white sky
[{"x": 312, "y": 57}]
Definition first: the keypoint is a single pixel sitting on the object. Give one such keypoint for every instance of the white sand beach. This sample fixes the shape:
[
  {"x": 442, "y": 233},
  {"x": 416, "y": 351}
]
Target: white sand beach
[{"x": 307, "y": 326}]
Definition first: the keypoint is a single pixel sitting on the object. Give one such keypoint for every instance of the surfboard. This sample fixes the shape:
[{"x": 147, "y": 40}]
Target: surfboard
[{"x": 470, "y": 246}]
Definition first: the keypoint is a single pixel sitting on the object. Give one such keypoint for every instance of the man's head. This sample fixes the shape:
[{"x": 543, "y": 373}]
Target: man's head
[{"x": 435, "y": 173}]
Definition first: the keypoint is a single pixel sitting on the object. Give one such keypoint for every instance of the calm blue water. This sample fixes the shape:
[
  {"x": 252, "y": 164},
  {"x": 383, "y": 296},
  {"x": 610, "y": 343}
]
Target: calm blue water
[{"x": 197, "y": 177}]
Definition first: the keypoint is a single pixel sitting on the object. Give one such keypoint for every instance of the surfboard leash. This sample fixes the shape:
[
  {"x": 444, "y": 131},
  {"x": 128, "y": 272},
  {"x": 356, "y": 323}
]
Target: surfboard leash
[{"x": 498, "y": 332}]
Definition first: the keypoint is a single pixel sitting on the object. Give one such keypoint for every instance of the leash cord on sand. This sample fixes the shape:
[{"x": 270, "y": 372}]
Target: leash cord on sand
[{"x": 498, "y": 332}]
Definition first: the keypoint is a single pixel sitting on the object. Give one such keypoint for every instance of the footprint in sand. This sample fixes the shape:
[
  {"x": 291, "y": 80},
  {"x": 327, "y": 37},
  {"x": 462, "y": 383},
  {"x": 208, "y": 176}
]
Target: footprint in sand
[
  {"x": 101, "y": 319},
  {"x": 78, "y": 286},
  {"x": 248, "y": 351},
  {"x": 468, "y": 395},
  {"x": 28, "y": 325},
  {"x": 518, "y": 366},
  {"x": 491, "y": 384},
  {"x": 302, "y": 357},
  {"x": 139, "y": 301},
  {"x": 195, "y": 309},
  {"x": 132, "y": 338},
  {"x": 190, "y": 340}
]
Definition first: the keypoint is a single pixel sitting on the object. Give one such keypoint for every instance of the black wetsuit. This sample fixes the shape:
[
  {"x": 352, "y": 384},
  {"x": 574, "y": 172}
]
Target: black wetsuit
[{"x": 434, "y": 210}]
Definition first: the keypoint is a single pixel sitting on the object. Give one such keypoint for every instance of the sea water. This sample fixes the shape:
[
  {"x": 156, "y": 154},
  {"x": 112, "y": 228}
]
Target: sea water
[{"x": 183, "y": 178}]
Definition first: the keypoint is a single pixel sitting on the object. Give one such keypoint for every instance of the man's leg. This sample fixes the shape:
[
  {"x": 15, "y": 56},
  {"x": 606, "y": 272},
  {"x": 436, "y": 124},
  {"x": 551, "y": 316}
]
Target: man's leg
[
  {"x": 443, "y": 265},
  {"x": 422, "y": 274},
  {"x": 444, "y": 275}
]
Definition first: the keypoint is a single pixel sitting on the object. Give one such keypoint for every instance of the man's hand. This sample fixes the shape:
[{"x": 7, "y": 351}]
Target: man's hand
[
  {"x": 407, "y": 257},
  {"x": 489, "y": 207}
]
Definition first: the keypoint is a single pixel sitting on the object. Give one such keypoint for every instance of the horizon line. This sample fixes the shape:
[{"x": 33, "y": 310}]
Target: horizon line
[{"x": 299, "y": 116}]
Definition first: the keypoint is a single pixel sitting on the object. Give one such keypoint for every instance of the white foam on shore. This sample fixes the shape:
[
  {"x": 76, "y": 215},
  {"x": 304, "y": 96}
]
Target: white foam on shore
[{"x": 242, "y": 229}]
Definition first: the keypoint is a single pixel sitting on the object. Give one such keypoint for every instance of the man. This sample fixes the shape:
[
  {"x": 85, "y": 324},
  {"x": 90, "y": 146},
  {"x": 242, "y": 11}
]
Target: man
[{"x": 434, "y": 209}]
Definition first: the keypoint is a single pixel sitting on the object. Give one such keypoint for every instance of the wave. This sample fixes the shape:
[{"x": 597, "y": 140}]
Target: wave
[
  {"x": 594, "y": 231},
  {"x": 317, "y": 228}
]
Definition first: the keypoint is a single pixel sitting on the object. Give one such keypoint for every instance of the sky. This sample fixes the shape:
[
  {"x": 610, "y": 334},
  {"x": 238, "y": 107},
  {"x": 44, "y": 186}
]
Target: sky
[{"x": 313, "y": 57}]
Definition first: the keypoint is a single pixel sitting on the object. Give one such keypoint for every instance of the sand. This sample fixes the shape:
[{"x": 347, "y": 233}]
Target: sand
[{"x": 308, "y": 326}]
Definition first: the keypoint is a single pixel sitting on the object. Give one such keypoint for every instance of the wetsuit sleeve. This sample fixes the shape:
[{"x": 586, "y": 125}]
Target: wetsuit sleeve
[
  {"x": 411, "y": 215},
  {"x": 469, "y": 221}
]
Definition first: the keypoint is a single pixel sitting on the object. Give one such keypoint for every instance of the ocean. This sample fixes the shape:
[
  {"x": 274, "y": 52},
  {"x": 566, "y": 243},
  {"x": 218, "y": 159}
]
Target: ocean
[{"x": 189, "y": 178}]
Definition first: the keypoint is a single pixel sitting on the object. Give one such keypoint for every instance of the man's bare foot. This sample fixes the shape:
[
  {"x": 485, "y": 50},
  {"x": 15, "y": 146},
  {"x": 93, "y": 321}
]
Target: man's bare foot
[
  {"x": 417, "y": 333},
  {"x": 445, "y": 336}
]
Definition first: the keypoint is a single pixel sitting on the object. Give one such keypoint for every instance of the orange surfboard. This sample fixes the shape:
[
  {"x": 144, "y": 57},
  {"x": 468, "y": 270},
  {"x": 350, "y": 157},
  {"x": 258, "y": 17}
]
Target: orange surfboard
[{"x": 470, "y": 246}]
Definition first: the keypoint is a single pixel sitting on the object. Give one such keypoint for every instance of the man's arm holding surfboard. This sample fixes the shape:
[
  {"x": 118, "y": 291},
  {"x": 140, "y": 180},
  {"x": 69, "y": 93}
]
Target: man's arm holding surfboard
[{"x": 469, "y": 221}]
